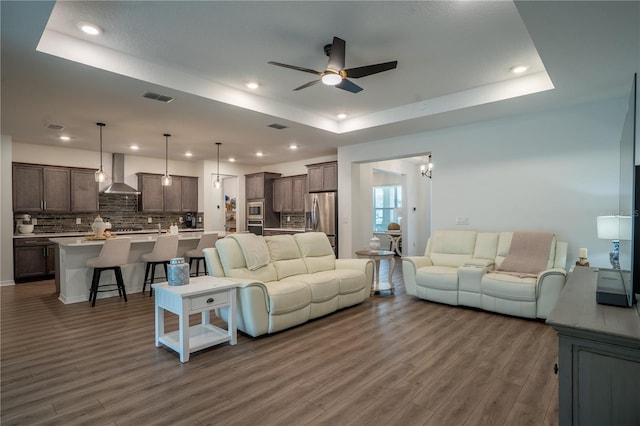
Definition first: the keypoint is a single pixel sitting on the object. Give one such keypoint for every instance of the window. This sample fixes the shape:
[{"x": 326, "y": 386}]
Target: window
[{"x": 386, "y": 202}]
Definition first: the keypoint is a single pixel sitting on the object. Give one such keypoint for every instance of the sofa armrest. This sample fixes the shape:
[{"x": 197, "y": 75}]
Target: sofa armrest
[
  {"x": 410, "y": 266},
  {"x": 252, "y": 313},
  {"x": 548, "y": 288},
  {"x": 480, "y": 263},
  {"x": 365, "y": 265},
  {"x": 212, "y": 260}
]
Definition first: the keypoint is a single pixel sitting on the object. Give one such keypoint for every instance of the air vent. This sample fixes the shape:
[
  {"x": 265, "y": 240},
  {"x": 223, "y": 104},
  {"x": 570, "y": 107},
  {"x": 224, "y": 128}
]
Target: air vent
[
  {"x": 157, "y": 97},
  {"x": 56, "y": 127},
  {"x": 277, "y": 126}
]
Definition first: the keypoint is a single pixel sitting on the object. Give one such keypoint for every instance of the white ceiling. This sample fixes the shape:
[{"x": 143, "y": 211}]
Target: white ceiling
[{"x": 453, "y": 68}]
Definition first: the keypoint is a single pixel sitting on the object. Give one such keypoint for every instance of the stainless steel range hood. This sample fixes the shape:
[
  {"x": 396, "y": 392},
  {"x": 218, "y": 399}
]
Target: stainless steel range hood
[{"x": 118, "y": 186}]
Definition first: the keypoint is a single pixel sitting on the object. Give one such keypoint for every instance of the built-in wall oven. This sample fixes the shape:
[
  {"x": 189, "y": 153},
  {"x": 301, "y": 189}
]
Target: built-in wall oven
[
  {"x": 255, "y": 226},
  {"x": 255, "y": 210}
]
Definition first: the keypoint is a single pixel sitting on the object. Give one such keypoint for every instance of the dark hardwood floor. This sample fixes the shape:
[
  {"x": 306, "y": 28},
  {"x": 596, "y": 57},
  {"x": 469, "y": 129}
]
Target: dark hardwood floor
[{"x": 390, "y": 360}]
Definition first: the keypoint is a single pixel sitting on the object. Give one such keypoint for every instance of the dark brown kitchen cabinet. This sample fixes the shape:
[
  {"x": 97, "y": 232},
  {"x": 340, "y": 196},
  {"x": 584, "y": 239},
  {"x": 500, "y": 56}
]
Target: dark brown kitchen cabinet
[
  {"x": 189, "y": 194},
  {"x": 180, "y": 196},
  {"x": 288, "y": 194},
  {"x": 151, "y": 198},
  {"x": 323, "y": 177},
  {"x": 254, "y": 185},
  {"x": 34, "y": 258},
  {"x": 41, "y": 188},
  {"x": 84, "y": 191}
]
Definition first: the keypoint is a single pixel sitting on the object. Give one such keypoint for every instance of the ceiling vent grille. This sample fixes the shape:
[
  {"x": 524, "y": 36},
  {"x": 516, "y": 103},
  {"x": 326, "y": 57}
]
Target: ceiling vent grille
[
  {"x": 157, "y": 97},
  {"x": 56, "y": 127},
  {"x": 277, "y": 126}
]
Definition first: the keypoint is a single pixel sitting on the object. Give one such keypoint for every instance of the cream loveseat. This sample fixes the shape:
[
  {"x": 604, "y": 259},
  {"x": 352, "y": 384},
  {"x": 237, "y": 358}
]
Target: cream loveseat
[
  {"x": 462, "y": 267},
  {"x": 292, "y": 279}
]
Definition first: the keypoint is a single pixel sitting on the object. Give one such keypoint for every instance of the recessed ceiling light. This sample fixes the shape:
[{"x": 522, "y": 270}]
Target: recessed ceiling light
[
  {"x": 90, "y": 29},
  {"x": 65, "y": 138},
  {"x": 519, "y": 69},
  {"x": 259, "y": 154},
  {"x": 342, "y": 115},
  {"x": 231, "y": 159},
  {"x": 293, "y": 146},
  {"x": 252, "y": 85},
  {"x": 134, "y": 147},
  {"x": 188, "y": 154}
]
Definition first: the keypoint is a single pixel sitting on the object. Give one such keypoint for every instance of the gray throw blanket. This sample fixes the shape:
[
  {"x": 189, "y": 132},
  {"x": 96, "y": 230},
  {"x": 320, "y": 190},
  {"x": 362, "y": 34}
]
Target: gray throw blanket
[{"x": 528, "y": 254}]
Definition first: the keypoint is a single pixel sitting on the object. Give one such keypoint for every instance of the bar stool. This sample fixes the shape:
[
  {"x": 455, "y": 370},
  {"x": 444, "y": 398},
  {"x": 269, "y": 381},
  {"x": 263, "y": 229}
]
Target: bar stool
[
  {"x": 165, "y": 248},
  {"x": 114, "y": 254},
  {"x": 206, "y": 241}
]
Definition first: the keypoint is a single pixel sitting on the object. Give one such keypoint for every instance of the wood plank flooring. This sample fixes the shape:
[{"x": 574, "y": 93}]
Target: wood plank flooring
[{"x": 392, "y": 360}]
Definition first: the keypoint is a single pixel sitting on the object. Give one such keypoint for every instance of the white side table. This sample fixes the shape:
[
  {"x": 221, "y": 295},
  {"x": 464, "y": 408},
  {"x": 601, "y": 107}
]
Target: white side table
[
  {"x": 377, "y": 256},
  {"x": 202, "y": 294},
  {"x": 395, "y": 237}
]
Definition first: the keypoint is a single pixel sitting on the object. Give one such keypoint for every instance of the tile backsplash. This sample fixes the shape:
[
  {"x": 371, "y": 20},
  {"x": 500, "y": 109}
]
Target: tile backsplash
[{"x": 119, "y": 209}]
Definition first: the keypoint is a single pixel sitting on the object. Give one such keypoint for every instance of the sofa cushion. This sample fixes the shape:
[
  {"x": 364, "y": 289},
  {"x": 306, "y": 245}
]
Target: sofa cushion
[
  {"x": 350, "y": 280},
  {"x": 286, "y": 256},
  {"x": 505, "y": 286},
  {"x": 316, "y": 251},
  {"x": 234, "y": 265},
  {"x": 287, "y": 296},
  {"x": 452, "y": 247},
  {"x": 323, "y": 286},
  {"x": 438, "y": 277},
  {"x": 486, "y": 245}
]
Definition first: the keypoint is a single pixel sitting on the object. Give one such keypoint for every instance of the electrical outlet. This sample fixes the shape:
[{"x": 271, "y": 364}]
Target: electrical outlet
[
  {"x": 149, "y": 220},
  {"x": 200, "y": 219},
  {"x": 180, "y": 219},
  {"x": 288, "y": 219},
  {"x": 78, "y": 220},
  {"x": 462, "y": 220},
  {"x": 34, "y": 221}
]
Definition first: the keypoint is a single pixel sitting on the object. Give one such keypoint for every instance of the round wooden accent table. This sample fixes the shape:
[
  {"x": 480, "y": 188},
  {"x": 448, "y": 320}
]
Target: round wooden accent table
[{"x": 377, "y": 256}]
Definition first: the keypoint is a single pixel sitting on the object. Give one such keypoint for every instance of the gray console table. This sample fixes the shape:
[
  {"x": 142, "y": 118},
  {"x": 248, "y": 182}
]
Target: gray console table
[{"x": 598, "y": 356}]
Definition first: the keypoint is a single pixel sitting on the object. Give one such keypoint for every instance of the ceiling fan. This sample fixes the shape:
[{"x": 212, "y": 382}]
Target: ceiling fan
[{"x": 335, "y": 74}]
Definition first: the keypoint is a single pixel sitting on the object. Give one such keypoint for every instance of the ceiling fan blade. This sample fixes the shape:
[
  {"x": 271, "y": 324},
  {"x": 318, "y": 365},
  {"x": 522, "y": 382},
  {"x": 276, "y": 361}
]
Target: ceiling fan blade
[
  {"x": 336, "y": 58},
  {"x": 349, "y": 86},
  {"x": 370, "y": 69},
  {"x": 304, "y": 86},
  {"x": 293, "y": 67}
]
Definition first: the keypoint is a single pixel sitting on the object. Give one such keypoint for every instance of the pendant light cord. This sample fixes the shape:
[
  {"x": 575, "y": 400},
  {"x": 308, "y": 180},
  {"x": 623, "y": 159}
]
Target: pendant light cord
[
  {"x": 166, "y": 154},
  {"x": 218, "y": 174},
  {"x": 101, "y": 125}
]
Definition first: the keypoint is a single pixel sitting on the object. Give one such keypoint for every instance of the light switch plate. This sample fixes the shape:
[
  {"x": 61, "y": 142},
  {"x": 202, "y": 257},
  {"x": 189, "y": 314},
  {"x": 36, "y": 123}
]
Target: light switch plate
[
  {"x": 149, "y": 220},
  {"x": 462, "y": 220},
  {"x": 78, "y": 221}
]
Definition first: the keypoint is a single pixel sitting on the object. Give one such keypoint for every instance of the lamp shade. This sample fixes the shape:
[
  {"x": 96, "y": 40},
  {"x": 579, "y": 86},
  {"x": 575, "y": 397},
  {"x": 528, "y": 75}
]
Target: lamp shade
[{"x": 614, "y": 227}]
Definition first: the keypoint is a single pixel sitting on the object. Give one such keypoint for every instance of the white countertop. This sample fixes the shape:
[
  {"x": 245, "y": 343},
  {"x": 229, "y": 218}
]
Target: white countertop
[
  {"x": 77, "y": 241},
  {"x": 82, "y": 234}
]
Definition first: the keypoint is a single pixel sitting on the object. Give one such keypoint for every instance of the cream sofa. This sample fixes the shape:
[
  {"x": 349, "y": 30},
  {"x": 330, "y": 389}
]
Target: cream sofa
[
  {"x": 460, "y": 267},
  {"x": 301, "y": 280}
]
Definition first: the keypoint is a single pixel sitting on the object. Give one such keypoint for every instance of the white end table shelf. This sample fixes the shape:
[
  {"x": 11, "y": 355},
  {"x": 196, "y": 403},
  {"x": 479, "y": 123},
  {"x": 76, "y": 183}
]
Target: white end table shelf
[{"x": 201, "y": 295}]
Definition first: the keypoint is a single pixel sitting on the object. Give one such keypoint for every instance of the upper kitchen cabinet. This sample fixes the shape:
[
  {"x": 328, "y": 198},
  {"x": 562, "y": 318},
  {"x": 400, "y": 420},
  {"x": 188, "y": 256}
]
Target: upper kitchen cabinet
[
  {"x": 84, "y": 190},
  {"x": 151, "y": 198},
  {"x": 41, "y": 188},
  {"x": 288, "y": 194},
  {"x": 189, "y": 198},
  {"x": 258, "y": 186},
  {"x": 323, "y": 177},
  {"x": 180, "y": 196}
]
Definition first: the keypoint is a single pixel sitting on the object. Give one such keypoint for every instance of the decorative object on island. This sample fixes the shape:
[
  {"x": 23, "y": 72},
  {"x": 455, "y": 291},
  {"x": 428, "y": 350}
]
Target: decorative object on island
[
  {"x": 98, "y": 227},
  {"x": 24, "y": 224},
  {"x": 101, "y": 176},
  {"x": 582, "y": 257},
  {"x": 166, "y": 179},
  {"x": 178, "y": 272},
  {"x": 614, "y": 228},
  {"x": 217, "y": 183},
  {"x": 426, "y": 170}
]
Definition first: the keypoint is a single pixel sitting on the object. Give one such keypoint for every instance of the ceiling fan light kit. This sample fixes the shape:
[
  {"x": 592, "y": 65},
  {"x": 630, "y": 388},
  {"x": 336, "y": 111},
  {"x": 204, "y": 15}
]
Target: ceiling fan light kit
[{"x": 335, "y": 74}]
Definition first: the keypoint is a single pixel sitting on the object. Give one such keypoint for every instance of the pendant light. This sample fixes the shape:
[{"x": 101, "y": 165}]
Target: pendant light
[
  {"x": 166, "y": 179},
  {"x": 100, "y": 175},
  {"x": 217, "y": 183}
]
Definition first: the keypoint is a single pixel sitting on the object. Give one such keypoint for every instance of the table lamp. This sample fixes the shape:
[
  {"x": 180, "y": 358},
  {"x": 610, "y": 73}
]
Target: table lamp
[{"x": 614, "y": 228}]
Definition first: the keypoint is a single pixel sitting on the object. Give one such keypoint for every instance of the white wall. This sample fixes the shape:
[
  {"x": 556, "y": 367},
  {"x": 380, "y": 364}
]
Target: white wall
[
  {"x": 551, "y": 171},
  {"x": 6, "y": 213}
]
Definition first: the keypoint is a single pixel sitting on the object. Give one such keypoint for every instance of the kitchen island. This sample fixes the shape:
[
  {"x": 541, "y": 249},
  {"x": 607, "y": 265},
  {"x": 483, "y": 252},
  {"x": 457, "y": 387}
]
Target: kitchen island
[{"x": 73, "y": 278}]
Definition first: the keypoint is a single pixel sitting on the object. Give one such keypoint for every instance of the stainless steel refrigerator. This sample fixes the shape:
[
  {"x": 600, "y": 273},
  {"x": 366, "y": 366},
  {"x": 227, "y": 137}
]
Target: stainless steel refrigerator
[{"x": 321, "y": 215}]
